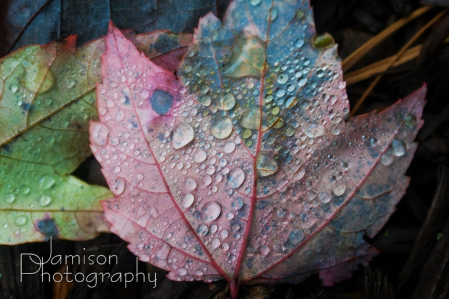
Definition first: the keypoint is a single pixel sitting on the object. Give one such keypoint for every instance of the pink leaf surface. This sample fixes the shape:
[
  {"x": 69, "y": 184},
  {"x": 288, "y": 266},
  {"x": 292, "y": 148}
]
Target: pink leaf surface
[{"x": 243, "y": 168}]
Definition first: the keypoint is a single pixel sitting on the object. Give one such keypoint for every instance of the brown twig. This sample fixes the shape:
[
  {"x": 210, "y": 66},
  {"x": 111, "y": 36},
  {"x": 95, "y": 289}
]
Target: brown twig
[{"x": 395, "y": 58}]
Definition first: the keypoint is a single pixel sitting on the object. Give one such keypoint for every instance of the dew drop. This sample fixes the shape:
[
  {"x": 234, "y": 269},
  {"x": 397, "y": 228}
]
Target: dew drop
[
  {"x": 200, "y": 156},
  {"x": 255, "y": 2},
  {"x": 99, "y": 134},
  {"x": 221, "y": 128},
  {"x": 182, "y": 135},
  {"x": 69, "y": 83},
  {"x": 229, "y": 147},
  {"x": 264, "y": 250},
  {"x": 21, "y": 220},
  {"x": 339, "y": 190},
  {"x": 211, "y": 211},
  {"x": 119, "y": 186},
  {"x": 274, "y": 14},
  {"x": 13, "y": 88},
  {"x": 324, "y": 197},
  {"x": 190, "y": 184},
  {"x": 182, "y": 271},
  {"x": 387, "y": 158},
  {"x": 227, "y": 102},
  {"x": 205, "y": 100},
  {"x": 237, "y": 203},
  {"x": 202, "y": 230},
  {"x": 236, "y": 178},
  {"x": 251, "y": 119},
  {"x": 187, "y": 200},
  {"x": 266, "y": 166},
  {"x": 398, "y": 147},
  {"x": 215, "y": 243},
  {"x": 282, "y": 78},
  {"x": 410, "y": 120},
  {"x": 46, "y": 182},
  {"x": 44, "y": 200},
  {"x": 9, "y": 198}
]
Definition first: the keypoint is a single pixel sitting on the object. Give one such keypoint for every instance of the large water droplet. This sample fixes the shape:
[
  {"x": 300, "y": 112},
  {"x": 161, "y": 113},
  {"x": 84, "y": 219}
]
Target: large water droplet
[
  {"x": 324, "y": 197},
  {"x": 282, "y": 78},
  {"x": 190, "y": 184},
  {"x": 211, "y": 211},
  {"x": 339, "y": 190},
  {"x": 399, "y": 147},
  {"x": 9, "y": 198},
  {"x": 44, "y": 200},
  {"x": 13, "y": 88},
  {"x": 229, "y": 147},
  {"x": 227, "y": 102},
  {"x": 264, "y": 250},
  {"x": 69, "y": 83},
  {"x": 323, "y": 41},
  {"x": 202, "y": 230},
  {"x": 236, "y": 178},
  {"x": 387, "y": 158},
  {"x": 237, "y": 203},
  {"x": 182, "y": 135},
  {"x": 187, "y": 200},
  {"x": 266, "y": 165},
  {"x": 21, "y": 220},
  {"x": 119, "y": 186},
  {"x": 255, "y": 2},
  {"x": 46, "y": 182},
  {"x": 99, "y": 134},
  {"x": 410, "y": 120},
  {"x": 251, "y": 119},
  {"x": 161, "y": 101},
  {"x": 200, "y": 156},
  {"x": 221, "y": 128},
  {"x": 215, "y": 243},
  {"x": 205, "y": 100},
  {"x": 182, "y": 271}
]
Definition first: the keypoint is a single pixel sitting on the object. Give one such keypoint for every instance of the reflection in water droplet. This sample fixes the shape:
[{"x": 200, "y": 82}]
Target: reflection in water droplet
[
  {"x": 69, "y": 83},
  {"x": 119, "y": 186},
  {"x": 251, "y": 119},
  {"x": 325, "y": 197},
  {"x": 13, "y": 88},
  {"x": 46, "y": 182},
  {"x": 399, "y": 147},
  {"x": 211, "y": 211},
  {"x": 339, "y": 190},
  {"x": 44, "y": 200},
  {"x": 236, "y": 178},
  {"x": 265, "y": 165},
  {"x": 221, "y": 128},
  {"x": 187, "y": 200},
  {"x": 227, "y": 102},
  {"x": 182, "y": 135},
  {"x": 202, "y": 230},
  {"x": 21, "y": 220},
  {"x": 410, "y": 120},
  {"x": 200, "y": 156},
  {"x": 9, "y": 198}
]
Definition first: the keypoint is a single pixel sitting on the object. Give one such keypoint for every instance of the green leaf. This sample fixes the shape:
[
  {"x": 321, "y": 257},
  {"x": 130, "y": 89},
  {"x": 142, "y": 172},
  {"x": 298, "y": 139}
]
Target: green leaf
[{"x": 47, "y": 99}]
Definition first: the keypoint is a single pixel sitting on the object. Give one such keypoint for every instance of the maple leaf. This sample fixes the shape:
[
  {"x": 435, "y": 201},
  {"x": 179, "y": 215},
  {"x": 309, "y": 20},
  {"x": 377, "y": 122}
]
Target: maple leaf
[
  {"x": 246, "y": 168},
  {"x": 47, "y": 98}
]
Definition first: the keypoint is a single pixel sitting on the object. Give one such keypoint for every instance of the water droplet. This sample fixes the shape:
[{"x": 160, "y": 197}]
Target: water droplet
[
  {"x": 200, "y": 156},
  {"x": 119, "y": 186},
  {"x": 282, "y": 78},
  {"x": 139, "y": 176},
  {"x": 190, "y": 184},
  {"x": 69, "y": 83},
  {"x": 224, "y": 233},
  {"x": 296, "y": 236},
  {"x": 229, "y": 147},
  {"x": 266, "y": 166},
  {"x": 387, "y": 158},
  {"x": 44, "y": 200},
  {"x": 339, "y": 190},
  {"x": 399, "y": 147},
  {"x": 9, "y": 198},
  {"x": 215, "y": 243},
  {"x": 161, "y": 101},
  {"x": 182, "y": 135},
  {"x": 46, "y": 182},
  {"x": 13, "y": 88},
  {"x": 21, "y": 220},
  {"x": 299, "y": 43},
  {"x": 323, "y": 41},
  {"x": 116, "y": 169},
  {"x": 251, "y": 119},
  {"x": 182, "y": 271},
  {"x": 144, "y": 94},
  {"x": 202, "y": 230},
  {"x": 227, "y": 102},
  {"x": 274, "y": 14},
  {"x": 205, "y": 100},
  {"x": 187, "y": 200},
  {"x": 264, "y": 250},
  {"x": 236, "y": 178},
  {"x": 99, "y": 134},
  {"x": 324, "y": 197},
  {"x": 211, "y": 211},
  {"x": 255, "y": 2},
  {"x": 410, "y": 120},
  {"x": 237, "y": 203},
  {"x": 221, "y": 128}
]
